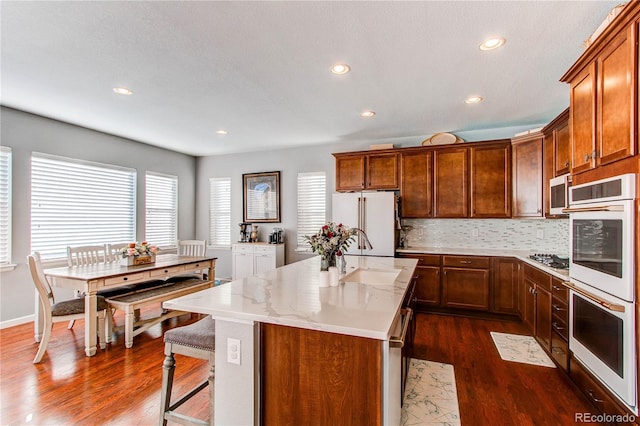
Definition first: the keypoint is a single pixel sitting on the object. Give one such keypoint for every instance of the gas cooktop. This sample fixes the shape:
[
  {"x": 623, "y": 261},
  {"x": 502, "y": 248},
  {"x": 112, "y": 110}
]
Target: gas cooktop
[{"x": 551, "y": 260}]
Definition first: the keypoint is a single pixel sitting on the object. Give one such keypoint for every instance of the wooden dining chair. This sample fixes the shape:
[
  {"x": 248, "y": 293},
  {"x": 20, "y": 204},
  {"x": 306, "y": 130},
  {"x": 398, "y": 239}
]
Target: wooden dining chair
[
  {"x": 113, "y": 251},
  {"x": 86, "y": 255},
  {"x": 192, "y": 247},
  {"x": 68, "y": 310}
]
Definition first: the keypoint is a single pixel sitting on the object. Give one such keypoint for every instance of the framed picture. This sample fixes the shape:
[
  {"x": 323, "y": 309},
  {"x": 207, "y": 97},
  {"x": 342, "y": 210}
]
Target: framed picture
[{"x": 261, "y": 197}]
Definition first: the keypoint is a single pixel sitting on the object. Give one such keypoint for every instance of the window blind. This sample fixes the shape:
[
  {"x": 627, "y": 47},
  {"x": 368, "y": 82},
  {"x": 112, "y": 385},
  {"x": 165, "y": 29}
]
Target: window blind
[
  {"x": 220, "y": 211},
  {"x": 5, "y": 205},
  {"x": 161, "y": 209},
  {"x": 75, "y": 202},
  {"x": 312, "y": 203}
]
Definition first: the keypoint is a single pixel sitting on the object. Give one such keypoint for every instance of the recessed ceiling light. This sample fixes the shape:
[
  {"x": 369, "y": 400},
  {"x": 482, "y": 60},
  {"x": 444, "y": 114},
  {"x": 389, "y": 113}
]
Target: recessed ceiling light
[
  {"x": 367, "y": 114},
  {"x": 473, "y": 99},
  {"x": 221, "y": 132},
  {"x": 493, "y": 43},
  {"x": 122, "y": 91},
  {"x": 340, "y": 69}
]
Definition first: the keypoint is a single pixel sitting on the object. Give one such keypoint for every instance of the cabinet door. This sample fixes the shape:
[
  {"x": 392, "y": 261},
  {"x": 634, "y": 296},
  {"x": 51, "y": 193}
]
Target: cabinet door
[
  {"x": 382, "y": 171},
  {"x": 543, "y": 317},
  {"x": 616, "y": 100},
  {"x": 264, "y": 262},
  {"x": 350, "y": 172},
  {"x": 427, "y": 291},
  {"x": 416, "y": 193},
  {"x": 491, "y": 181},
  {"x": 242, "y": 265},
  {"x": 465, "y": 288},
  {"x": 451, "y": 182},
  {"x": 527, "y": 178},
  {"x": 529, "y": 307},
  {"x": 562, "y": 149},
  {"x": 505, "y": 285},
  {"x": 583, "y": 122}
]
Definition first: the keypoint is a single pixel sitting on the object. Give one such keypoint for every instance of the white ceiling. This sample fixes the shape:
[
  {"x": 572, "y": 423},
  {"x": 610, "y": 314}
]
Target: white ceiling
[{"x": 260, "y": 70}]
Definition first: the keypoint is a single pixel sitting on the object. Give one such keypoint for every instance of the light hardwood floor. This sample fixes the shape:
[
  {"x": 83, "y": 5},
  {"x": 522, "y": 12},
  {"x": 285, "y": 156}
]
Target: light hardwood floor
[{"x": 121, "y": 386}]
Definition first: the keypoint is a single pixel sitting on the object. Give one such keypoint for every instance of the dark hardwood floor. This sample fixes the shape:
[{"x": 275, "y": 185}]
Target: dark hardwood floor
[
  {"x": 492, "y": 391},
  {"x": 121, "y": 386}
]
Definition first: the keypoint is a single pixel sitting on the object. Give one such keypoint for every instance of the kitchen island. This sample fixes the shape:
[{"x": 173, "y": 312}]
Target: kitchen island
[{"x": 291, "y": 352}]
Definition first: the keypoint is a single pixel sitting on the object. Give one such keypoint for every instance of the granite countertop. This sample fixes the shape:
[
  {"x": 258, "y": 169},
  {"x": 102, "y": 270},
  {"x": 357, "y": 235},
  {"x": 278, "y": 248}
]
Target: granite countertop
[
  {"x": 523, "y": 255},
  {"x": 290, "y": 296}
]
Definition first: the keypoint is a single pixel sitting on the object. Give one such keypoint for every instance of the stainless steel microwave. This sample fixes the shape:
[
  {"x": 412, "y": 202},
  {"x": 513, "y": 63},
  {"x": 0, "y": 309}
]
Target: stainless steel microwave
[{"x": 559, "y": 194}]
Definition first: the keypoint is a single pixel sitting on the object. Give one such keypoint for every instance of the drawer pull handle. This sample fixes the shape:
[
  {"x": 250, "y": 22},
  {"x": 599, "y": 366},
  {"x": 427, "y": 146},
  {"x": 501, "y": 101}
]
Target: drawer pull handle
[
  {"x": 557, "y": 350},
  {"x": 556, "y": 326},
  {"x": 557, "y": 308},
  {"x": 555, "y": 287},
  {"x": 593, "y": 397},
  {"x": 466, "y": 262},
  {"x": 166, "y": 271},
  {"x": 125, "y": 278}
]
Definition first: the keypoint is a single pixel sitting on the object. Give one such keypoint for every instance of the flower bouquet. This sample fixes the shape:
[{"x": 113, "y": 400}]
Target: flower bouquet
[
  {"x": 138, "y": 254},
  {"x": 332, "y": 239}
]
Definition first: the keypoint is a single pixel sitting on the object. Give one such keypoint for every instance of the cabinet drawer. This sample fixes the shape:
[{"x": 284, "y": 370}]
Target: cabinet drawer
[
  {"x": 195, "y": 266},
  {"x": 560, "y": 351},
  {"x": 166, "y": 271},
  {"x": 269, "y": 250},
  {"x": 131, "y": 278},
  {"x": 242, "y": 248},
  {"x": 466, "y": 262},
  {"x": 424, "y": 259},
  {"x": 559, "y": 290},
  {"x": 560, "y": 326},
  {"x": 537, "y": 276},
  {"x": 594, "y": 391}
]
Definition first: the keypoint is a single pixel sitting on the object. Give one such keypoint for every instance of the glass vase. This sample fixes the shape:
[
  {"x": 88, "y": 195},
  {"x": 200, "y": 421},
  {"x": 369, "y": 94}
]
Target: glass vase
[{"x": 327, "y": 261}]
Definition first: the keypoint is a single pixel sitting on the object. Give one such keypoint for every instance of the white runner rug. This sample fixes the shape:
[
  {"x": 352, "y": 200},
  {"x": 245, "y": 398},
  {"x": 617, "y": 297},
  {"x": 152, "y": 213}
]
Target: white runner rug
[
  {"x": 430, "y": 396},
  {"x": 517, "y": 348}
]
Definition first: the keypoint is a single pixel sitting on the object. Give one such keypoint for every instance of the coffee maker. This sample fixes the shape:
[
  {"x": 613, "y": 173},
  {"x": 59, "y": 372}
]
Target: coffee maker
[
  {"x": 276, "y": 236},
  {"x": 245, "y": 232}
]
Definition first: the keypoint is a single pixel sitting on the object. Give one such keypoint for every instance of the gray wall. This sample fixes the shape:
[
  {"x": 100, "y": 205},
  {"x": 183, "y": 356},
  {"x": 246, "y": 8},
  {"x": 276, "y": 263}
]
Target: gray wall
[{"x": 24, "y": 133}]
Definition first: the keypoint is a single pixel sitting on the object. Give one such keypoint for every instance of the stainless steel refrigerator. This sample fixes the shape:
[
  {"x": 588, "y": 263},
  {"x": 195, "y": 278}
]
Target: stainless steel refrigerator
[{"x": 372, "y": 212}]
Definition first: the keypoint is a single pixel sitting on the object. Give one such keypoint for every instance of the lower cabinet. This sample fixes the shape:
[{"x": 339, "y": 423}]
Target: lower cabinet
[
  {"x": 254, "y": 258},
  {"x": 504, "y": 285},
  {"x": 465, "y": 282},
  {"x": 560, "y": 323},
  {"x": 427, "y": 279},
  {"x": 538, "y": 304}
]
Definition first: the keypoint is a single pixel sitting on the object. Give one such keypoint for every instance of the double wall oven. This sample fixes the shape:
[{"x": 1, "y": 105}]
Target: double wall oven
[{"x": 602, "y": 282}]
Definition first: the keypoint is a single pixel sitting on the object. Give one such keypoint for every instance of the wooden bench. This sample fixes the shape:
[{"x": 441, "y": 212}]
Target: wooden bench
[{"x": 152, "y": 293}]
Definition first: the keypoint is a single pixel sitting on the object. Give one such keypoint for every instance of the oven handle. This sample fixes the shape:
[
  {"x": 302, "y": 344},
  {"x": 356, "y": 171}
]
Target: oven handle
[
  {"x": 398, "y": 341},
  {"x": 594, "y": 209},
  {"x": 610, "y": 306}
]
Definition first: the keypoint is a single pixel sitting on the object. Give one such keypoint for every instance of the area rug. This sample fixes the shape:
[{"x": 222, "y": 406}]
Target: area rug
[
  {"x": 430, "y": 396},
  {"x": 525, "y": 349}
]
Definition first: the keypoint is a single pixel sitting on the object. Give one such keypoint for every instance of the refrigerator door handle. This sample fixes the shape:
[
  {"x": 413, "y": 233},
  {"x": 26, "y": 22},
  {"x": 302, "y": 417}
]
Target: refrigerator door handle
[
  {"x": 359, "y": 221},
  {"x": 364, "y": 222}
]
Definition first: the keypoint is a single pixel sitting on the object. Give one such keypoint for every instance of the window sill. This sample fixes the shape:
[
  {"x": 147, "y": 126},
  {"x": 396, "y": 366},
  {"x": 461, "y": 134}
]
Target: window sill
[{"x": 8, "y": 267}]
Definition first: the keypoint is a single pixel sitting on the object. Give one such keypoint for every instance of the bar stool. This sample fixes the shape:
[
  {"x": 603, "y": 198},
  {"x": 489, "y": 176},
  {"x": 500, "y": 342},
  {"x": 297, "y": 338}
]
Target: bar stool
[{"x": 196, "y": 340}]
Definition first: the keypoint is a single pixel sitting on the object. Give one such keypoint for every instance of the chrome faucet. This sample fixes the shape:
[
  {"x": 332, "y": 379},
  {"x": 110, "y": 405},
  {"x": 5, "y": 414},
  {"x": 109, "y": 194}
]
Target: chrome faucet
[{"x": 367, "y": 243}]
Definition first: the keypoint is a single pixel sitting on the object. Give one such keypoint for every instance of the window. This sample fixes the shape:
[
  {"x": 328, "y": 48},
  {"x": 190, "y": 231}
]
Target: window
[
  {"x": 220, "y": 211},
  {"x": 161, "y": 209},
  {"x": 5, "y": 205},
  {"x": 76, "y": 202},
  {"x": 312, "y": 199}
]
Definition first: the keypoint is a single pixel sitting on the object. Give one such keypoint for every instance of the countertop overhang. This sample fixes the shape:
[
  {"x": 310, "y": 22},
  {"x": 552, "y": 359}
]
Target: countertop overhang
[{"x": 291, "y": 296}]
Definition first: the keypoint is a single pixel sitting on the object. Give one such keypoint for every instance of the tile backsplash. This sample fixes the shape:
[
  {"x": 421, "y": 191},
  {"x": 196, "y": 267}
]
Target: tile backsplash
[{"x": 536, "y": 235}]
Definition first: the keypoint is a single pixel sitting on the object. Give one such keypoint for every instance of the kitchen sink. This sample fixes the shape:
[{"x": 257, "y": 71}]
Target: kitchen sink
[{"x": 371, "y": 276}]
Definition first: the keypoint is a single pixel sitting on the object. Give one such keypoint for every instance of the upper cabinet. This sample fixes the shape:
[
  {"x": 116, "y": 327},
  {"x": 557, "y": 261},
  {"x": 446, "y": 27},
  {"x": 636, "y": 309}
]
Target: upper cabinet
[
  {"x": 416, "y": 178},
  {"x": 556, "y": 152},
  {"x": 527, "y": 176},
  {"x": 451, "y": 182},
  {"x": 491, "y": 180},
  {"x": 603, "y": 96},
  {"x": 358, "y": 171}
]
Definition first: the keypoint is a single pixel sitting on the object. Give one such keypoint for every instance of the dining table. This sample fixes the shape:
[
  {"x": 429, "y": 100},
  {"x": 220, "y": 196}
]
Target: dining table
[{"x": 89, "y": 279}]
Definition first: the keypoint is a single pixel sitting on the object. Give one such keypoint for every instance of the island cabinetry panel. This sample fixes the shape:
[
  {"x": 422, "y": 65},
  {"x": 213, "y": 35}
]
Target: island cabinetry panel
[
  {"x": 313, "y": 377},
  {"x": 491, "y": 181},
  {"x": 504, "y": 285},
  {"x": 465, "y": 282},
  {"x": 527, "y": 176},
  {"x": 427, "y": 280},
  {"x": 416, "y": 191},
  {"x": 451, "y": 182},
  {"x": 358, "y": 171}
]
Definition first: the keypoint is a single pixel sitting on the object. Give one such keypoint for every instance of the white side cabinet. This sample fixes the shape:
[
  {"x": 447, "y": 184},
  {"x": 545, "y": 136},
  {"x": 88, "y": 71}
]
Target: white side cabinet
[{"x": 254, "y": 258}]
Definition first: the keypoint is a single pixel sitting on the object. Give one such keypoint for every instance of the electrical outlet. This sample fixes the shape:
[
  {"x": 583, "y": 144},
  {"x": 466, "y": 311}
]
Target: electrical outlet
[
  {"x": 540, "y": 233},
  {"x": 233, "y": 351},
  {"x": 420, "y": 232},
  {"x": 475, "y": 232}
]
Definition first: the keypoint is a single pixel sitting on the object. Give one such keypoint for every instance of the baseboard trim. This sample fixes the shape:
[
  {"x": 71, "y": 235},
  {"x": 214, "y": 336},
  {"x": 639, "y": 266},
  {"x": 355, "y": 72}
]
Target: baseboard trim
[{"x": 17, "y": 321}]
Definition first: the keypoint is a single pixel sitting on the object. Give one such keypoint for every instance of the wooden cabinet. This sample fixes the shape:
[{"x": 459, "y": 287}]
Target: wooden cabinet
[
  {"x": 255, "y": 258},
  {"x": 603, "y": 95},
  {"x": 427, "y": 280},
  {"x": 504, "y": 285},
  {"x": 538, "y": 287},
  {"x": 560, "y": 323},
  {"x": 465, "y": 282},
  {"x": 357, "y": 171},
  {"x": 491, "y": 181},
  {"x": 416, "y": 190},
  {"x": 528, "y": 310},
  {"x": 556, "y": 153},
  {"x": 451, "y": 182},
  {"x": 527, "y": 176}
]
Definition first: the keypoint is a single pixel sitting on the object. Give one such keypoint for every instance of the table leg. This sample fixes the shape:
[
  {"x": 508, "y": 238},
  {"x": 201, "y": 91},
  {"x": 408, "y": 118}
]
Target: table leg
[
  {"x": 38, "y": 323},
  {"x": 90, "y": 324}
]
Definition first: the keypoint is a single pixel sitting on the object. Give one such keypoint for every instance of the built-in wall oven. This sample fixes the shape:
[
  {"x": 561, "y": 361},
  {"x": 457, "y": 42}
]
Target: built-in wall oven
[{"x": 602, "y": 280}]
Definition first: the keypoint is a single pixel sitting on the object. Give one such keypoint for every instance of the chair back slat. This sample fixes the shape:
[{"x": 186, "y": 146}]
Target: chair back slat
[
  {"x": 86, "y": 255},
  {"x": 113, "y": 251},
  {"x": 192, "y": 247},
  {"x": 40, "y": 281}
]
